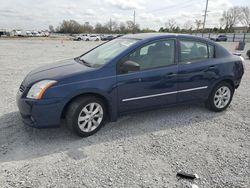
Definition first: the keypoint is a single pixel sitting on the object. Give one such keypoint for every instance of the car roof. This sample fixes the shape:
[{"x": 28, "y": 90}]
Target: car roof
[{"x": 148, "y": 36}]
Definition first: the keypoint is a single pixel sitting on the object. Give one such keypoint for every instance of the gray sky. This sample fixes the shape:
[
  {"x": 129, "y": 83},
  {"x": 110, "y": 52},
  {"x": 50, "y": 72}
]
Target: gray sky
[{"x": 38, "y": 14}]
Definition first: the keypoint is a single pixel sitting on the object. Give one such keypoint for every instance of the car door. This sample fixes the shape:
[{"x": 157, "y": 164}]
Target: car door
[
  {"x": 155, "y": 84},
  {"x": 197, "y": 69}
]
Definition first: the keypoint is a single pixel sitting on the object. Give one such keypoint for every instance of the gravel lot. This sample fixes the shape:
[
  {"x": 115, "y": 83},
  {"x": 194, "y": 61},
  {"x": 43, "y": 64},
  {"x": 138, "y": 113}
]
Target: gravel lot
[{"x": 140, "y": 150}]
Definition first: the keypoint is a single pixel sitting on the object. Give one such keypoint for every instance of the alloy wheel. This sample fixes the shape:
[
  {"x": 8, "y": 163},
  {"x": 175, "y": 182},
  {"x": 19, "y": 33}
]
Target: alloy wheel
[
  {"x": 90, "y": 117},
  {"x": 222, "y": 97}
]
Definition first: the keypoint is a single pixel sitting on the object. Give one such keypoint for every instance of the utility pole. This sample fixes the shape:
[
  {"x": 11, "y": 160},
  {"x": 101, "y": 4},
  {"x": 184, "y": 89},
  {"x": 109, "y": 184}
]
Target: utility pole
[
  {"x": 134, "y": 17},
  {"x": 205, "y": 17},
  {"x": 134, "y": 22},
  {"x": 110, "y": 24}
]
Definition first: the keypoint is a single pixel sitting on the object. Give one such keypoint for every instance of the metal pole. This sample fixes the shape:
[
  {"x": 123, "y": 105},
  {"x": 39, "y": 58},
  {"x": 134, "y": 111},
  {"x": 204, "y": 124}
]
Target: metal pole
[
  {"x": 205, "y": 16},
  {"x": 110, "y": 24},
  {"x": 134, "y": 22}
]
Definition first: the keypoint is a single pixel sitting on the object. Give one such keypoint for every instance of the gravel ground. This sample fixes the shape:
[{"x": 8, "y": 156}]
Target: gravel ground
[{"x": 140, "y": 150}]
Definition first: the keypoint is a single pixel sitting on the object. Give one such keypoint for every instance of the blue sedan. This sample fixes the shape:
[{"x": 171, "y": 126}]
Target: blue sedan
[{"x": 132, "y": 73}]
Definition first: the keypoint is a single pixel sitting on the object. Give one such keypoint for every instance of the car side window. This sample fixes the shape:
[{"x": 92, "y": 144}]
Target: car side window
[
  {"x": 191, "y": 51},
  {"x": 157, "y": 54}
]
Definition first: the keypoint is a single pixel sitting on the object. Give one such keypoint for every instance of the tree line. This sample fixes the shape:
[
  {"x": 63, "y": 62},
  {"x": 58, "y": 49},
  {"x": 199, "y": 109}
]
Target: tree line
[
  {"x": 229, "y": 18},
  {"x": 73, "y": 27}
]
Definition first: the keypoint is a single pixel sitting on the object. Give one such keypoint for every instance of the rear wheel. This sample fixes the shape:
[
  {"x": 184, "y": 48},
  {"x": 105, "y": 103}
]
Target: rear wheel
[
  {"x": 86, "y": 115},
  {"x": 220, "y": 97}
]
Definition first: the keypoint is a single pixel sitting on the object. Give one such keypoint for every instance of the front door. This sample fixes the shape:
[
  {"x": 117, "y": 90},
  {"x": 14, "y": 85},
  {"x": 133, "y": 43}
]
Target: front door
[{"x": 155, "y": 84}]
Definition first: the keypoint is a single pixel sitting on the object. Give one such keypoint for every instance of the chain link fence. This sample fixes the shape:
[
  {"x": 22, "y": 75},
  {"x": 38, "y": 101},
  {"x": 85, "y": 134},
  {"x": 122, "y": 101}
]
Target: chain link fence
[{"x": 231, "y": 37}]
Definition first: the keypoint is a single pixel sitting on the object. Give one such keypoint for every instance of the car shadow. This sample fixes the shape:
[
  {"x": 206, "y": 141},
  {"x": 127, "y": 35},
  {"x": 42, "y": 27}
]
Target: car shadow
[{"x": 20, "y": 142}]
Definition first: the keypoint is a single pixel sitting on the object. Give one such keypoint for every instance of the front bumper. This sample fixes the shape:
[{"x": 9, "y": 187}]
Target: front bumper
[{"x": 40, "y": 113}]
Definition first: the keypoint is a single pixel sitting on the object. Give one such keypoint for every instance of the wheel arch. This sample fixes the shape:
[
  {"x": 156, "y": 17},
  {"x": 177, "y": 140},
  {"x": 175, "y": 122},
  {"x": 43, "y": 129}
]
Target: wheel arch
[
  {"x": 230, "y": 81},
  {"x": 72, "y": 98},
  {"x": 226, "y": 79}
]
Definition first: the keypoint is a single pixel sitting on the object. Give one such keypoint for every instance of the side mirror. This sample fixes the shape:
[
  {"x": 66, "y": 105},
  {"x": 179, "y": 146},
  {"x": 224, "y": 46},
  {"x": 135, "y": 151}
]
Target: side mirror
[{"x": 128, "y": 66}]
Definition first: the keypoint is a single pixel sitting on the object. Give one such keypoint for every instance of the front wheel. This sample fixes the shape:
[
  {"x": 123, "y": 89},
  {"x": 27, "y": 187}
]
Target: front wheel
[
  {"x": 86, "y": 115},
  {"x": 220, "y": 97}
]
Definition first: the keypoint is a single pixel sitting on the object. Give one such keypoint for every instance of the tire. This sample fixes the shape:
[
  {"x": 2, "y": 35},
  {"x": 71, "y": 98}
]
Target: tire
[
  {"x": 87, "y": 39},
  {"x": 213, "y": 101},
  {"x": 78, "y": 108}
]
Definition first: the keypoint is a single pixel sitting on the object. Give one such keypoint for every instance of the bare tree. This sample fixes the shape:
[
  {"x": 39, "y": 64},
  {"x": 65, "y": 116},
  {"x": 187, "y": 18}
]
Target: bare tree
[
  {"x": 69, "y": 26},
  {"x": 115, "y": 26},
  {"x": 188, "y": 25},
  {"x": 230, "y": 17},
  {"x": 130, "y": 25},
  {"x": 112, "y": 25},
  {"x": 99, "y": 28},
  {"x": 87, "y": 28},
  {"x": 245, "y": 16},
  {"x": 122, "y": 27},
  {"x": 51, "y": 29},
  {"x": 171, "y": 24},
  {"x": 198, "y": 24}
]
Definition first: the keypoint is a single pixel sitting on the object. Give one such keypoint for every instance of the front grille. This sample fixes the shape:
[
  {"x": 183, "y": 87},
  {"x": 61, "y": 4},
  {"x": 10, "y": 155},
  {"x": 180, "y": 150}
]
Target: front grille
[{"x": 22, "y": 88}]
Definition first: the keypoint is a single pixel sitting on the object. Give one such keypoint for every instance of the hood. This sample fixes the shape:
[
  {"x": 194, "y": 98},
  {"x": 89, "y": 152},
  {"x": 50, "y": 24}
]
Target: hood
[{"x": 56, "y": 71}]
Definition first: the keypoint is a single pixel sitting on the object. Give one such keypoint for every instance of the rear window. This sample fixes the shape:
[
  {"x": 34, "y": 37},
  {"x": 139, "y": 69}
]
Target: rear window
[{"x": 193, "y": 51}]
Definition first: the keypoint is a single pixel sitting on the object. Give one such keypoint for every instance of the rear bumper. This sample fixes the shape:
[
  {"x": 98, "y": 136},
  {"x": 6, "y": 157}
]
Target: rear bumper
[{"x": 40, "y": 113}]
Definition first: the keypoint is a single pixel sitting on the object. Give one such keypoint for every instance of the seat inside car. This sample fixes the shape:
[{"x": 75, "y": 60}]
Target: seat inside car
[
  {"x": 203, "y": 51},
  {"x": 161, "y": 54}
]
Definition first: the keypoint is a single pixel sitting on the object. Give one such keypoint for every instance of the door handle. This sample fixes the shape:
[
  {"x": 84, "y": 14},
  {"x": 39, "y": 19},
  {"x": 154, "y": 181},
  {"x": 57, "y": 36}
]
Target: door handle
[
  {"x": 212, "y": 67},
  {"x": 170, "y": 75}
]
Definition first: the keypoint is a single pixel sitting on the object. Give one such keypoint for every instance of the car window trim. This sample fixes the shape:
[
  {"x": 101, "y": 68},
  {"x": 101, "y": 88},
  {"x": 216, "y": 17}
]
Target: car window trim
[
  {"x": 209, "y": 50},
  {"x": 145, "y": 44}
]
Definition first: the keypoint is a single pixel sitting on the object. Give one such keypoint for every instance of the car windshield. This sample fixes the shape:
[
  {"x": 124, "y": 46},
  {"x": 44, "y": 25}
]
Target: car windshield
[{"x": 104, "y": 53}]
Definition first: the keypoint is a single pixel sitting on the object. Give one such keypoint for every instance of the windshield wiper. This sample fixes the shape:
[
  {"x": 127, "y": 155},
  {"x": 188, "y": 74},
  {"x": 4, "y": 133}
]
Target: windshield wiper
[{"x": 83, "y": 62}]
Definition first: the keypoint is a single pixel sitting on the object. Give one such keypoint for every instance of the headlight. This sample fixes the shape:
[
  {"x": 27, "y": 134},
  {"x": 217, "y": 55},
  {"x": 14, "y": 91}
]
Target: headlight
[{"x": 38, "y": 89}]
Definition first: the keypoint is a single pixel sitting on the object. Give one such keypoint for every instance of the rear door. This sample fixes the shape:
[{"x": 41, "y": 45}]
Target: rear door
[
  {"x": 155, "y": 84},
  {"x": 197, "y": 69}
]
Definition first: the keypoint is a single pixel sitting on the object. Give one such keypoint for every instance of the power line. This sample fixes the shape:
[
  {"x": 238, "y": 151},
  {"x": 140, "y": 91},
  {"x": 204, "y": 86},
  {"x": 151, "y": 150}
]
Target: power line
[{"x": 182, "y": 5}]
